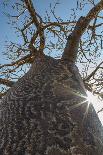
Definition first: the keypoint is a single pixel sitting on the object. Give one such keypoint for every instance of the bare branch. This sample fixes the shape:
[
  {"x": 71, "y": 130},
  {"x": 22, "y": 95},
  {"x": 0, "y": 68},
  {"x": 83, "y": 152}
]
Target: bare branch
[
  {"x": 48, "y": 24},
  {"x": 70, "y": 51},
  {"x": 2, "y": 94},
  {"x": 92, "y": 27},
  {"x": 26, "y": 59},
  {"x": 32, "y": 12},
  {"x": 6, "y": 82},
  {"x": 32, "y": 41},
  {"x": 92, "y": 74},
  {"x": 27, "y": 25},
  {"x": 38, "y": 24}
]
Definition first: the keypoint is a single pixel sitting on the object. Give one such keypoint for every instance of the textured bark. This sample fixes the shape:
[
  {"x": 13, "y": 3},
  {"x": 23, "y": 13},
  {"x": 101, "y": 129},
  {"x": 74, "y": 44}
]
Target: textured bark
[{"x": 42, "y": 115}]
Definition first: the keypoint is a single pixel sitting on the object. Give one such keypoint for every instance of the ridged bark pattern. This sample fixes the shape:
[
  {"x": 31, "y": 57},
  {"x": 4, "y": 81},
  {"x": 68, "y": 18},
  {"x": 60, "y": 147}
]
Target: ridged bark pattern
[{"x": 39, "y": 115}]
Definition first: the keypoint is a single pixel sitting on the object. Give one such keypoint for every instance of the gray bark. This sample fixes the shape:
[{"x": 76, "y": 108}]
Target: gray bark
[{"x": 42, "y": 115}]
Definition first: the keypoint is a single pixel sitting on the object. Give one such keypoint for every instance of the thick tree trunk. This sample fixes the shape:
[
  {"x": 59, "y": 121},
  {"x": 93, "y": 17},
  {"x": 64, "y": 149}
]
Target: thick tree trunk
[{"x": 46, "y": 113}]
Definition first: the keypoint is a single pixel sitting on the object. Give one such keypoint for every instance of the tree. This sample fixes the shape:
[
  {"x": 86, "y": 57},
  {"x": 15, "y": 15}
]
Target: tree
[{"x": 46, "y": 111}]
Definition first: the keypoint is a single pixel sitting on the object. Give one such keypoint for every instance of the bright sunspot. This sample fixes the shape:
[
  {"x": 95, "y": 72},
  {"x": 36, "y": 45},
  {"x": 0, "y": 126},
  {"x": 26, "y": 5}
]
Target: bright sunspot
[
  {"x": 97, "y": 103},
  {"x": 91, "y": 98}
]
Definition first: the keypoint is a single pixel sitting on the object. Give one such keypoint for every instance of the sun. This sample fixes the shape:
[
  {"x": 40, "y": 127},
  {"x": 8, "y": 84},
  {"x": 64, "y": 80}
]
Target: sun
[
  {"x": 92, "y": 98},
  {"x": 97, "y": 104}
]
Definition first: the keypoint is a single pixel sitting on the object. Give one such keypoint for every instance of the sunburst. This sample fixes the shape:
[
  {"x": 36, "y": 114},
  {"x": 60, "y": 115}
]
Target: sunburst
[{"x": 97, "y": 104}]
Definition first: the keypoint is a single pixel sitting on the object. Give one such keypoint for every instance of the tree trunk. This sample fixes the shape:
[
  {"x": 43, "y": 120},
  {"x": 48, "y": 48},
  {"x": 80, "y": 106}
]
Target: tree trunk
[{"x": 46, "y": 113}]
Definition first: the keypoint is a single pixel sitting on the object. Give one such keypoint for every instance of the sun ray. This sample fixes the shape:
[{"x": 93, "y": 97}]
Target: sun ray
[{"x": 77, "y": 105}]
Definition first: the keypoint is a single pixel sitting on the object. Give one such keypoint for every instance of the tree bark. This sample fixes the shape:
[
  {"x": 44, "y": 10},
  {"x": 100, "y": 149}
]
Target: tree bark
[{"x": 46, "y": 113}]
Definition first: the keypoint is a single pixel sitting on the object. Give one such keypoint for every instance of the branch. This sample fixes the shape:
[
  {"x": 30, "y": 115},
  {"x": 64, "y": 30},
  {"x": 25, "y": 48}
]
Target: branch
[
  {"x": 48, "y": 24},
  {"x": 26, "y": 59},
  {"x": 92, "y": 27},
  {"x": 92, "y": 74},
  {"x": 38, "y": 24},
  {"x": 2, "y": 94},
  {"x": 32, "y": 41},
  {"x": 6, "y": 82},
  {"x": 89, "y": 87},
  {"x": 27, "y": 25},
  {"x": 71, "y": 49},
  {"x": 32, "y": 12}
]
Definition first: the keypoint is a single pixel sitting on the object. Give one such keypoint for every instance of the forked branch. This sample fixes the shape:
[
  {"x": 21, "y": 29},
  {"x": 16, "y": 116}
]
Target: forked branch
[{"x": 37, "y": 23}]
